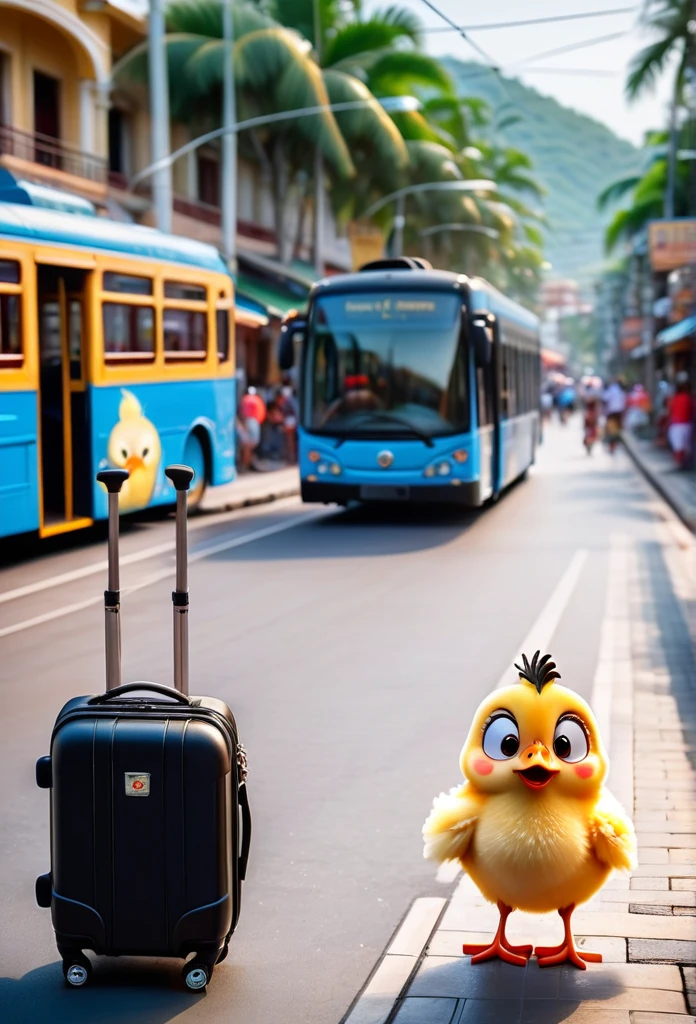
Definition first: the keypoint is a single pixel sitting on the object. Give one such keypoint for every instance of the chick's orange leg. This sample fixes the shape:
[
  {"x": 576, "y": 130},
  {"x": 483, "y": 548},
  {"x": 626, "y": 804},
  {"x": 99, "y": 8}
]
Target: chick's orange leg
[
  {"x": 500, "y": 946},
  {"x": 565, "y": 952}
]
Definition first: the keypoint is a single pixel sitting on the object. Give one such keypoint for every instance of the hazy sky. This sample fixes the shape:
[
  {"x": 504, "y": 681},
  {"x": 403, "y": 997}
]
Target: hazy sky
[{"x": 601, "y": 97}]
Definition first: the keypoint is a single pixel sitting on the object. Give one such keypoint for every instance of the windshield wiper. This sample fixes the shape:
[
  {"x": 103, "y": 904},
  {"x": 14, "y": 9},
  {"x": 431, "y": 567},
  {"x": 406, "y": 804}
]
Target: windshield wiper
[{"x": 390, "y": 417}]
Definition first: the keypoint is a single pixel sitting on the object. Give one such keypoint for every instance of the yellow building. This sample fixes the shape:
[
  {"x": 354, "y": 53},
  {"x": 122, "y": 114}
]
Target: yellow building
[{"x": 55, "y": 70}]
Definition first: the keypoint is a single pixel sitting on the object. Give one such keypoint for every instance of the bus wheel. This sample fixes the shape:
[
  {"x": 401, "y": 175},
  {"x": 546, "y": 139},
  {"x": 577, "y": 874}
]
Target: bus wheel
[{"x": 194, "y": 456}]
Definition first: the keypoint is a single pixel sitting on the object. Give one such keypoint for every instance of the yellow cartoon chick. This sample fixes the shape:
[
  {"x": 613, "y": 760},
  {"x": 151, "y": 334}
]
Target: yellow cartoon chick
[
  {"x": 134, "y": 445},
  {"x": 532, "y": 825}
]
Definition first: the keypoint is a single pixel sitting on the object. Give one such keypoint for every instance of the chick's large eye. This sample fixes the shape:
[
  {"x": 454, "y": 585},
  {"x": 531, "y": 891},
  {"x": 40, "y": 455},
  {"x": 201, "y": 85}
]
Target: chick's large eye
[
  {"x": 501, "y": 738},
  {"x": 570, "y": 741}
]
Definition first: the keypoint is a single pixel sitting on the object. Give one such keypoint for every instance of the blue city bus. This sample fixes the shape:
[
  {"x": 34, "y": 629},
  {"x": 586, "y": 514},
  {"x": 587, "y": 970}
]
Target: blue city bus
[
  {"x": 115, "y": 350},
  {"x": 415, "y": 385}
]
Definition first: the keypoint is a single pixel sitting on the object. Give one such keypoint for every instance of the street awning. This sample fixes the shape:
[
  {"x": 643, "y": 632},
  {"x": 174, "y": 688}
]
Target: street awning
[
  {"x": 677, "y": 332},
  {"x": 275, "y": 299},
  {"x": 29, "y": 193},
  {"x": 551, "y": 359},
  {"x": 249, "y": 313}
]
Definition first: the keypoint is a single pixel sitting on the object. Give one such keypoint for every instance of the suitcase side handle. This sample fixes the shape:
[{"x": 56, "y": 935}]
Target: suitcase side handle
[
  {"x": 246, "y": 831},
  {"x": 165, "y": 691}
]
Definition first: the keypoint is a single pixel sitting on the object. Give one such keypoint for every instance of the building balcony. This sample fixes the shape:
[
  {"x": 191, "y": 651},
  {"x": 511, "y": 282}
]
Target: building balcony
[{"x": 52, "y": 161}]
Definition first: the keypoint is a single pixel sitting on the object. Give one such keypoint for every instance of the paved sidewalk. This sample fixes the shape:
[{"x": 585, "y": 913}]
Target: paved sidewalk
[
  {"x": 677, "y": 486},
  {"x": 644, "y": 925},
  {"x": 252, "y": 489}
]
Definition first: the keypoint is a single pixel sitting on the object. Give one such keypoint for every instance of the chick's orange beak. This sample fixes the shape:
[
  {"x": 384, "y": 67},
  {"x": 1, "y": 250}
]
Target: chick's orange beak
[
  {"x": 134, "y": 462},
  {"x": 537, "y": 771}
]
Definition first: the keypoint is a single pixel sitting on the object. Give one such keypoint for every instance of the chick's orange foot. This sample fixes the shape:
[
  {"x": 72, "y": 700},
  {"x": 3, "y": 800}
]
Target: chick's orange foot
[
  {"x": 565, "y": 952},
  {"x": 499, "y": 947}
]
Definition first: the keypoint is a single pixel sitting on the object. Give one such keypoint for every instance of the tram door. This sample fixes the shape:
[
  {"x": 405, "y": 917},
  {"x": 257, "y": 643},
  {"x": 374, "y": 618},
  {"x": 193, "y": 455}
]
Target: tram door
[{"x": 64, "y": 435}]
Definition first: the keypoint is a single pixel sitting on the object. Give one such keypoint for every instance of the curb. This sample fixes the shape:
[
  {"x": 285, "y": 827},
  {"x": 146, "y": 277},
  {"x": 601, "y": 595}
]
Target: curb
[{"x": 655, "y": 481}]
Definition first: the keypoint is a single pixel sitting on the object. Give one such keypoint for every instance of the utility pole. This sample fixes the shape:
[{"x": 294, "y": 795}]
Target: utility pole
[
  {"x": 159, "y": 117},
  {"x": 671, "y": 158},
  {"x": 319, "y": 189},
  {"x": 229, "y": 143},
  {"x": 399, "y": 224}
]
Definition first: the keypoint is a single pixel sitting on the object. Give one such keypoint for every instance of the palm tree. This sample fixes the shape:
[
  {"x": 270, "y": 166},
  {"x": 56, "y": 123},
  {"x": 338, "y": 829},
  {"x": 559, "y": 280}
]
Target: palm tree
[
  {"x": 646, "y": 193},
  {"x": 362, "y": 56},
  {"x": 673, "y": 23},
  {"x": 273, "y": 72}
]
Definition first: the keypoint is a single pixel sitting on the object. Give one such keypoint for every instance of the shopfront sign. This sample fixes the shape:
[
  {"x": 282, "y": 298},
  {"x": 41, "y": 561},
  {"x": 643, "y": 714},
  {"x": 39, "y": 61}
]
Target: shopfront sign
[{"x": 672, "y": 243}]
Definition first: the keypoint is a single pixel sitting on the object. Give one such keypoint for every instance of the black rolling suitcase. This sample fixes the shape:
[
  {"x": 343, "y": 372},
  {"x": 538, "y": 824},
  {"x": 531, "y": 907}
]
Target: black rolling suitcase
[{"x": 150, "y": 822}]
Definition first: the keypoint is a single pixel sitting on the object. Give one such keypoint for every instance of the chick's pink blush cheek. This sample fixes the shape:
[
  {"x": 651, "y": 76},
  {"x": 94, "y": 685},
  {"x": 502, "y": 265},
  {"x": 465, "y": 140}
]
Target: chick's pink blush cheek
[
  {"x": 482, "y": 766},
  {"x": 584, "y": 771}
]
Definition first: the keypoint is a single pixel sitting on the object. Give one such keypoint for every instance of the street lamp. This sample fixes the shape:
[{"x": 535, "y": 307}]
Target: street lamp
[
  {"x": 473, "y": 185},
  {"x": 477, "y": 229},
  {"x": 158, "y": 167}
]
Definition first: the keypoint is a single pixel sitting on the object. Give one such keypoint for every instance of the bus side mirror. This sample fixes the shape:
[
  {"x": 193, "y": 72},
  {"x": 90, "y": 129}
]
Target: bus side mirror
[
  {"x": 292, "y": 333},
  {"x": 482, "y": 337}
]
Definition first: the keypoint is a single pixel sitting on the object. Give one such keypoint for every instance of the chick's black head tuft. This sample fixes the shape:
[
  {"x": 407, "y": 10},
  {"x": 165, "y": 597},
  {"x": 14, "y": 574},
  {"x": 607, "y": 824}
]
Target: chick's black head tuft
[{"x": 540, "y": 672}]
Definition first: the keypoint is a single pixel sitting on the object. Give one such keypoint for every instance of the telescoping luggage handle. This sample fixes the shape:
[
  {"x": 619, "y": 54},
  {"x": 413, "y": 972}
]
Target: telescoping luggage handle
[
  {"x": 181, "y": 477},
  {"x": 113, "y": 480}
]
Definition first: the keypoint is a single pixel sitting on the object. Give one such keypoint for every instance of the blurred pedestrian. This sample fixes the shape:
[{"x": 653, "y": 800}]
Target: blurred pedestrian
[
  {"x": 590, "y": 424},
  {"x": 662, "y": 401},
  {"x": 681, "y": 415},
  {"x": 566, "y": 401},
  {"x": 614, "y": 407},
  {"x": 288, "y": 406}
]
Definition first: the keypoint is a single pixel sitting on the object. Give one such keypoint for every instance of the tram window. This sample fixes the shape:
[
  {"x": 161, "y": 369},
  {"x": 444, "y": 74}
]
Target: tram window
[
  {"x": 129, "y": 332},
  {"x": 222, "y": 330},
  {"x": 127, "y": 283},
  {"x": 11, "y": 355},
  {"x": 185, "y": 334},
  {"x": 181, "y": 290},
  {"x": 9, "y": 271}
]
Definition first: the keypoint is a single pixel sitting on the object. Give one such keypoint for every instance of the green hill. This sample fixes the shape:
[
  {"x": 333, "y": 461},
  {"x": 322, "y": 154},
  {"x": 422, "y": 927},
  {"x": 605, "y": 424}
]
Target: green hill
[{"x": 574, "y": 159}]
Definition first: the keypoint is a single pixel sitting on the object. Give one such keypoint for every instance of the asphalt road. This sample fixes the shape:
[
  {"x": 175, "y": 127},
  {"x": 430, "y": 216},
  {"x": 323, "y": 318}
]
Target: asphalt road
[{"x": 353, "y": 647}]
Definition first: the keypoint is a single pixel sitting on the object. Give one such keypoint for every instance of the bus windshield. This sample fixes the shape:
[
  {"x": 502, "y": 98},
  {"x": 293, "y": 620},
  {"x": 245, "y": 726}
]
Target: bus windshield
[{"x": 386, "y": 364}]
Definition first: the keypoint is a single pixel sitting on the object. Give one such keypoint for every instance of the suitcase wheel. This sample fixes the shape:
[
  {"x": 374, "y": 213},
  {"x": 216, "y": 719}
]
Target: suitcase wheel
[
  {"x": 196, "y": 975},
  {"x": 77, "y": 970}
]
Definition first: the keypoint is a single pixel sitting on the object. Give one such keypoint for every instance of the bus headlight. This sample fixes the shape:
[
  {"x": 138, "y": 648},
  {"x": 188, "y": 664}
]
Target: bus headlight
[
  {"x": 329, "y": 467},
  {"x": 429, "y": 471},
  {"x": 335, "y": 469},
  {"x": 314, "y": 456},
  {"x": 461, "y": 455},
  {"x": 444, "y": 468}
]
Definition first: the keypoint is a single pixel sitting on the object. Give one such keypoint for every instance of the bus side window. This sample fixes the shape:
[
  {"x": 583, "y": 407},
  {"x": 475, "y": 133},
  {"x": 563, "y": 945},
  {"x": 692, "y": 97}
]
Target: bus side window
[
  {"x": 129, "y": 332},
  {"x": 222, "y": 332},
  {"x": 503, "y": 383},
  {"x": 11, "y": 352}
]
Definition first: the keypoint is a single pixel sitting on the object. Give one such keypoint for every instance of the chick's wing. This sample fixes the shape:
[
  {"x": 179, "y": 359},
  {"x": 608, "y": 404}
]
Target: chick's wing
[
  {"x": 450, "y": 825},
  {"x": 611, "y": 834}
]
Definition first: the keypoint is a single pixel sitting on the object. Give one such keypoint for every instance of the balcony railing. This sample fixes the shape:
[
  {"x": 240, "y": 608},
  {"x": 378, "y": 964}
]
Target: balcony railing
[{"x": 42, "y": 149}]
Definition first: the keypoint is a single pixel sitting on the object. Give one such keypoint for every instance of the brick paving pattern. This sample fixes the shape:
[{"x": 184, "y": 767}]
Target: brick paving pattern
[{"x": 644, "y": 925}]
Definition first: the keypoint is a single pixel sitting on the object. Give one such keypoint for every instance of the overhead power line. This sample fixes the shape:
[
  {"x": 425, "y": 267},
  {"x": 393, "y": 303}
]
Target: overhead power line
[
  {"x": 462, "y": 32},
  {"x": 531, "y": 21},
  {"x": 582, "y": 45},
  {"x": 570, "y": 71}
]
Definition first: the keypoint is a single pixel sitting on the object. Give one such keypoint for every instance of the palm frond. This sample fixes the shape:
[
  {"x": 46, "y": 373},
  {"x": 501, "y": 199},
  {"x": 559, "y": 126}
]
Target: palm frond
[{"x": 401, "y": 70}]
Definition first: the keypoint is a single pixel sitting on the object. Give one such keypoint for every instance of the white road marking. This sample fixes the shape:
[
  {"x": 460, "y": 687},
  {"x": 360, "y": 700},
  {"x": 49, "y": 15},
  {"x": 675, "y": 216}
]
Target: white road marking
[
  {"x": 448, "y": 871},
  {"x": 136, "y": 556},
  {"x": 540, "y": 635},
  {"x": 163, "y": 574}
]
